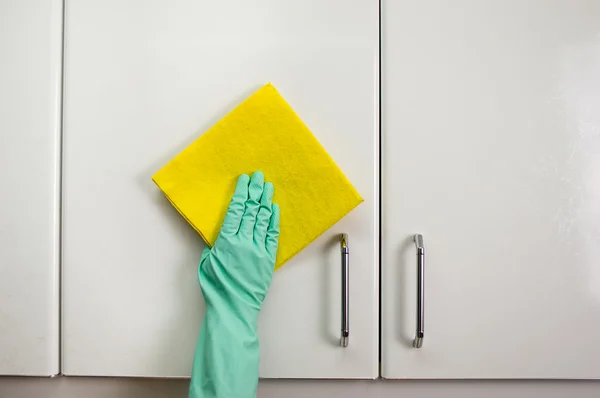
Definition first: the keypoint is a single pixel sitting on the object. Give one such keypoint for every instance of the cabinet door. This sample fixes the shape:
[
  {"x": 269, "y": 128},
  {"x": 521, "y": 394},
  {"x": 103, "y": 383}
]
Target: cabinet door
[
  {"x": 143, "y": 80},
  {"x": 491, "y": 151},
  {"x": 30, "y": 87}
]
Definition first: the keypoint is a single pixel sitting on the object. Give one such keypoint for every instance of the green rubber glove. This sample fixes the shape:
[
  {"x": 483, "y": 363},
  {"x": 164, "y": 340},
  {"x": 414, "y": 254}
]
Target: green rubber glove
[{"x": 235, "y": 275}]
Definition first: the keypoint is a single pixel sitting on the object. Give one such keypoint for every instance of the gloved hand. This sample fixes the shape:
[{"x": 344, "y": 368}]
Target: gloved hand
[{"x": 235, "y": 275}]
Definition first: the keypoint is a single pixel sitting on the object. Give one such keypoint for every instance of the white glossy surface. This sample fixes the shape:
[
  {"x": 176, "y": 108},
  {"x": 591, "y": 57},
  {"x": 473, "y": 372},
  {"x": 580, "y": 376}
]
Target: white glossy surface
[
  {"x": 144, "y": 79},
  {"x": 30, "y": 80},
  {"x": 491, "y": 151},
  {"x": 96, "y": 387}
]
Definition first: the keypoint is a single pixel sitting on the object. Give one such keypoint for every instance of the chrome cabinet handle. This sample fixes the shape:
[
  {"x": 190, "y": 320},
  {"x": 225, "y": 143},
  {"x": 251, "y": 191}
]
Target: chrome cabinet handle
[
  {"x": 420, "y": 332},
  {"x": 345, "y": 290}
]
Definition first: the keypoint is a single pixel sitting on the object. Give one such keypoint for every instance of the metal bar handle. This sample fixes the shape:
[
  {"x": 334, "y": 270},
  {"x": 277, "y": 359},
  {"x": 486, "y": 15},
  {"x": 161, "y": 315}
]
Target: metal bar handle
[
  {"x": 420, "y": 332},
  {"x": 345, "y": 250}
]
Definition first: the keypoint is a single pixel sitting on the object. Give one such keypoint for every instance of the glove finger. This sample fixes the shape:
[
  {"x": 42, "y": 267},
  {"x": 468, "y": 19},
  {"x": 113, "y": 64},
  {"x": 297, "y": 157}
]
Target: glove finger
[
  {"x": 205, "y": 253},
  {"x": 272, "y": 242},
  {"x": 203, "y": 257},
  {"x": 264, "y": 215},
  {"x": 252, "y": 204},
  {"x": 234, "y": 214}
]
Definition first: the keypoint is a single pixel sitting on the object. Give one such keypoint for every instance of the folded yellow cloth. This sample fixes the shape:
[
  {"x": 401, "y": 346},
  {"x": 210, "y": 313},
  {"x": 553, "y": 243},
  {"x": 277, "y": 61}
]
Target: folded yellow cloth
[{"x": 262, "y": 133}]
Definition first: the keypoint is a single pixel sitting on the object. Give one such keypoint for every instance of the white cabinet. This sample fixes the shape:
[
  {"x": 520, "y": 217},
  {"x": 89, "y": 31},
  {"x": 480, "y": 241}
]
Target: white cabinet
[
  {"x": 143, "y": 80},
  {"x": 30, "y": 87},
  {"x": 491, "y": 150}
]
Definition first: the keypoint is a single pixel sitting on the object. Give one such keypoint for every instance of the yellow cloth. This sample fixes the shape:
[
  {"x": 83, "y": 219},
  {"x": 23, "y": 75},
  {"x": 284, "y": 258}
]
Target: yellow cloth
[{"x": 262, "y": 133}]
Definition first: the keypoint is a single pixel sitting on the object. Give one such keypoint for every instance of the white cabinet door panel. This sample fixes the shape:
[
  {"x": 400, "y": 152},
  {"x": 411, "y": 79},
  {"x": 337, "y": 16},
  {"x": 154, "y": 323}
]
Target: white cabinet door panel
[
  {"x": 30, "y": 88},
  {"x": 491, "y": 150},
  {"x": 144, "y": 79}
]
